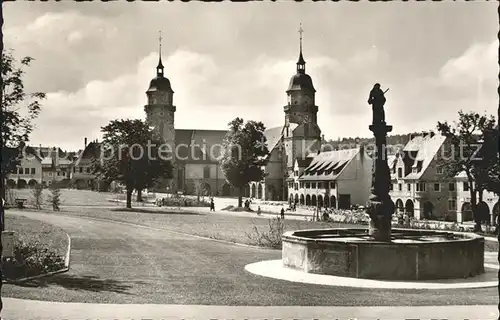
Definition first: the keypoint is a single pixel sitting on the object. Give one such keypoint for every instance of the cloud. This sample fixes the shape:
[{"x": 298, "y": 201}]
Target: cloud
[
  {"x": 466, "y": 82},
  {"x": 476, "y": 63},
  {"x": 225, "y": 65}
]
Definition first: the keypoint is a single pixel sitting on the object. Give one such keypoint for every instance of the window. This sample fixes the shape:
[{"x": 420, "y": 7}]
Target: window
[
  {"x": 33, "y": 170},
  {"x": 296, "y": 173},
  {"x": 81, "y": 169},
  {"x": 400, "y": 172},
  {"x": 314, "y": 185},
  {"x": 408, "y": 186},
  {"x": 50, "y": 174},
  {"x": 466, "y": 186},
  {"x": 437, "y": 187},
  {"x": 320, "y": 185},
  {"x": 296, "y": 186},
  {"x": 452, "y": 204},
  {"x": 308, "y": 185},
  {"x": 26, "y": 170},
  {"x": 58, "y": 173},
  {"x": 439, "y": 170},
  {"x": 88, "y": 169},
  {"x": 74, "y": 169},
  {"x": 301, "y": 185},
  {"x": 421, "y": 186},
  {"x": 451, "y": 186},
  {"x": 332, "y": 184},
  {"x": 206, "y": 172},
  {"x": 20, "y": 171},
  {"x": 400, "y": 187}
]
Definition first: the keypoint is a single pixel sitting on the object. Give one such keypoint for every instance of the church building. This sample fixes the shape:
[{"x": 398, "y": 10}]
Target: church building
[
  {"x": 296, "y": 143},
  {"x": 195, "y": 160}
]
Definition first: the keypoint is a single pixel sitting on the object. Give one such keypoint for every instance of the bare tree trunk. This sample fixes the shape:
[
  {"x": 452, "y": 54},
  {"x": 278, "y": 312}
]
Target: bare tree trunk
[
  {"x": 473, "y": 203},
  {"x": 129, "y": 198},
  {"x": 240, "y": 197},
  {"x": 139, "y": 196}
]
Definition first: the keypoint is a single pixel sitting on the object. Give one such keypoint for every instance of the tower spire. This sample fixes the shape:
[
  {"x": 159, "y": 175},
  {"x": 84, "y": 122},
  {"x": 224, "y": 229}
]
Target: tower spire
[
  {"x": 301, "y": 63},
  {"x": 159, "y": 68}
]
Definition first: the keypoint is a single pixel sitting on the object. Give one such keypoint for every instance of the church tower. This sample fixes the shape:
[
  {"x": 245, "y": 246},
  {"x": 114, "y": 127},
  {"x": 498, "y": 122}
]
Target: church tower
[
  {"x": 160, "y": 112},
  {"x": 302, "y": 135}
]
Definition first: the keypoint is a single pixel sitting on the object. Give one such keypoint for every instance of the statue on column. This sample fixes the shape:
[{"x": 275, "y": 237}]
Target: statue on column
[{"x": 377, "y": 100}]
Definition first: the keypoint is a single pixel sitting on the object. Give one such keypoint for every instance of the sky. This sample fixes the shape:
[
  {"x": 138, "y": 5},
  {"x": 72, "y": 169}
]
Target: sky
[{"x": 95, "y": 61}]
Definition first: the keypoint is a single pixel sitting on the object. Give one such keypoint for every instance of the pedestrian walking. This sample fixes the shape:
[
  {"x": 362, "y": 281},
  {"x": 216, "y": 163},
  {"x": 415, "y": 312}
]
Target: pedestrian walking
[
  {"x": 282, "y": 213},
  {"x": 212, "y": 204},
  {"x": 258, "y": 211}
]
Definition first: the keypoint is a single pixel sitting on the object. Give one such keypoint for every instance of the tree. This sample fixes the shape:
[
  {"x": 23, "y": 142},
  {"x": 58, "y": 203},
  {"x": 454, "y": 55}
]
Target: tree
[
  {"x": 37, "y": 193},
  {"x": 55, "y": 197},
  {"x": 132, "y": 153},
  {"x": 464, "y": 152},
  {"x": 245, "y": 154},
  {"x": 19, "y": 109}
]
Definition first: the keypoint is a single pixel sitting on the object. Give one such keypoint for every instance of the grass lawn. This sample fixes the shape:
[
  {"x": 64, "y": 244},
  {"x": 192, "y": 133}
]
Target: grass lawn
[
  {"x": 69, "y": 197},
  {"x": 215, "y": 226},
  {"x": 34, "y": 231}
]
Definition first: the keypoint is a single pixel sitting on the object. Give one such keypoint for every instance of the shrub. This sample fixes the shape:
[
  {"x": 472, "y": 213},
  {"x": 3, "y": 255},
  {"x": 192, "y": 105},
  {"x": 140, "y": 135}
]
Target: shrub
[
  {"x": 182, "y": 202},
  {"x": 55, "y": 198},
  {"x": 10, "y": 196},
  {"x": 270, "y": 238},
  {"x": 37, "y": 193},
  {"x": 30, "y": 259}
]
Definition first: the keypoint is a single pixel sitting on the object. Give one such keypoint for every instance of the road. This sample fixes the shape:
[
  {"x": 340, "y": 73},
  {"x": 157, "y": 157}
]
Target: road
[{"x": 114, "y": 262}]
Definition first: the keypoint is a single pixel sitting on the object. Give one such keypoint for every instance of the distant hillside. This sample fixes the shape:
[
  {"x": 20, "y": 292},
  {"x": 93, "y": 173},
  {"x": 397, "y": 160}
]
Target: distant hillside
[{"x": 350, "y": 142}]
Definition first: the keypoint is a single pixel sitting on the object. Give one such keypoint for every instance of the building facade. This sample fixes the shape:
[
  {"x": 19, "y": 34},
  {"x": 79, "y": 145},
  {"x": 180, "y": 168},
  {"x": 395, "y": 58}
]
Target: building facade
[
  {"x": 332, "y": 179},
  {"x": 41, "y": 165},
  {"x": 488, "y": 206},
  {"x": 420, "y": 189}
]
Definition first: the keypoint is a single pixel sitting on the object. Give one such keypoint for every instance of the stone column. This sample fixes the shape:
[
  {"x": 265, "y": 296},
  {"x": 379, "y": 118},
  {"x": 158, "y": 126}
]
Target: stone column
[{"x": 380, "y": 207}]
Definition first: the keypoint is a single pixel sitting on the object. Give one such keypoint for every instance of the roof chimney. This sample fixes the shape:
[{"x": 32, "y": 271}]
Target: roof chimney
[
  {"x": 432, "y": 134},
  {"x": 85, "y": 143}
]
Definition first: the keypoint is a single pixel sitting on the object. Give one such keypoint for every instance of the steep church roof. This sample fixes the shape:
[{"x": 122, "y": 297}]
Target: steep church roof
[
  {"x": 273, "y": 136},
  {"x": 199, "y": 146}
]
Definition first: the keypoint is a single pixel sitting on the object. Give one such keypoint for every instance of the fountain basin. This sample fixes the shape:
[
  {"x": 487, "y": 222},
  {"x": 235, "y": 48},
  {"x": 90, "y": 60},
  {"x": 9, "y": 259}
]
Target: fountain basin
[{"x": 412, "y": 254}]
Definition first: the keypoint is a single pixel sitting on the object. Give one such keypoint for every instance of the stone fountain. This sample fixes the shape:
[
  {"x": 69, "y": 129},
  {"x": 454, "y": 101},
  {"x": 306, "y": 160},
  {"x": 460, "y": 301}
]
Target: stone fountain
[{"x": 379, "y": 252}]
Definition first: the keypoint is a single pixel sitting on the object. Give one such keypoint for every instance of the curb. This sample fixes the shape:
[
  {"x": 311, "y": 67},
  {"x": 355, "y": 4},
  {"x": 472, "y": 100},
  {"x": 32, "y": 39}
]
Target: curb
[{"x": 62, "y": 270}]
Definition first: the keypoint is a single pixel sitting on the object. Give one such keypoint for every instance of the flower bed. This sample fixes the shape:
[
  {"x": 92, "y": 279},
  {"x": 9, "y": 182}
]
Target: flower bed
[
  {"x": 360, "y": 217},
  {"x": 181, "y": 202},
  {"x": 39, "y": 248},
  {"x": 30, "y": 259}
]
